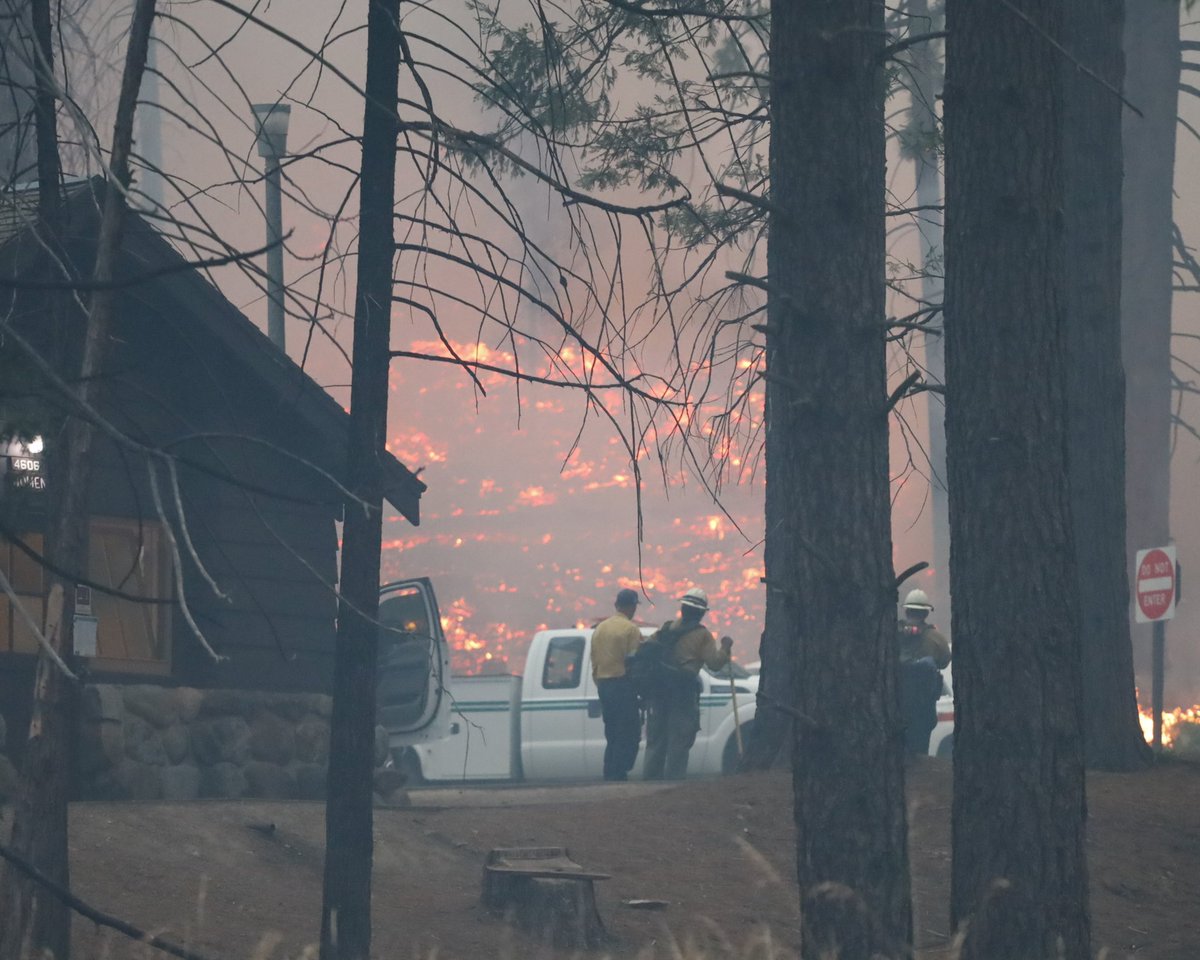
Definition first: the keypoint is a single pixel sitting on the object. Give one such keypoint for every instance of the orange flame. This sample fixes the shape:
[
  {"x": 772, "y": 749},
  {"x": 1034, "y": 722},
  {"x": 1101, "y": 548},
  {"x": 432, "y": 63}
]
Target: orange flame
[{"x": 1171, "y": 722}]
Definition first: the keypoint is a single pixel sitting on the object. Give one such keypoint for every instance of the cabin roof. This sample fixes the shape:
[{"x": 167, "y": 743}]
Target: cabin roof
[{"x": 145, "y": 252}]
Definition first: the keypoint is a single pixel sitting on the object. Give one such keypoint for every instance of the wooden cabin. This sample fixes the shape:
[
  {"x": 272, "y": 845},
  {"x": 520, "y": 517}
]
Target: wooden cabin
[{"x": 258, "y": 447}]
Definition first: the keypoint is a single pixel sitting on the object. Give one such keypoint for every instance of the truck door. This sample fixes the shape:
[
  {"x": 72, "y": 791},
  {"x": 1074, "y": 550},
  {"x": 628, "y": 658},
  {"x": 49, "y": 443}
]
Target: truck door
[
  {"x": 594, "y": 740},
  {"x": 553, "y": 709},
  {"x": 414, "y": 663}
]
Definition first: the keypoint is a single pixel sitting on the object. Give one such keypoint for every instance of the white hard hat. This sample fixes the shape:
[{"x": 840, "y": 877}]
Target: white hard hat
[
  {"x": 917, "y": 600},
  {"x": 695, "y": 598}
]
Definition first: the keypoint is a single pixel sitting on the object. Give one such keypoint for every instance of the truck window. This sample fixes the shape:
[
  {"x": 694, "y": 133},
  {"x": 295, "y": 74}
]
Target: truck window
[
  {"x": 404, "y": 612},
  {"x": 407, "y": 657},
  {"x": 564, "y": 662}
]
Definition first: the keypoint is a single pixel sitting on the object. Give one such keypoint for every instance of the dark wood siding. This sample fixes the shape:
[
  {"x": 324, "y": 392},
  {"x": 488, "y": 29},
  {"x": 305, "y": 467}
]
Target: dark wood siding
[{"x": 261, "y": 521}]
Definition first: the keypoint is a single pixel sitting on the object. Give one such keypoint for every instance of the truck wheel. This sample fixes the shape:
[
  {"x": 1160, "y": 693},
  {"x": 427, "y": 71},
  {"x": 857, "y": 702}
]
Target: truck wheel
[
  {"x": 946, "y": 747},
  {"x": 410, "y": 765},
  {"x": 729, "y": 756}
]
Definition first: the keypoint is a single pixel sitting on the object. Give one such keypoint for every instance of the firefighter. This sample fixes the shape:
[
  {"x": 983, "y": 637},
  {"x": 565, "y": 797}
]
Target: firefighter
[
  {"x": 924, "y": 653},
  {"x": 615, "y": 639},
  {"x": 673, "y": 715}
]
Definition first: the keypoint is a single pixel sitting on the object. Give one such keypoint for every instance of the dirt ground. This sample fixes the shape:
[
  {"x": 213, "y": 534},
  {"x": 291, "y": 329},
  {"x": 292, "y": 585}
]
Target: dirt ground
[{"x": 214, "y": 875}]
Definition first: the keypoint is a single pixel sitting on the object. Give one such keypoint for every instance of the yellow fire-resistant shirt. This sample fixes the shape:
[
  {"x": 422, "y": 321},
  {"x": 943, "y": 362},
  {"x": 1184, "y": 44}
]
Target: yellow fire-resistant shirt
[
  {"x": 697, "y": 648},
  {"x": 612, "y": 641}
]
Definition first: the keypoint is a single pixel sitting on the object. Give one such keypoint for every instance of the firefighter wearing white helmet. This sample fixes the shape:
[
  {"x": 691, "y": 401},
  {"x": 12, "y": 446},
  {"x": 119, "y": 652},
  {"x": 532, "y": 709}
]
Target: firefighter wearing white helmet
[
  {"x": 917, "y": 600},
  {"x": 924, "y": 653},
  {"x": 673, "y": 713}
]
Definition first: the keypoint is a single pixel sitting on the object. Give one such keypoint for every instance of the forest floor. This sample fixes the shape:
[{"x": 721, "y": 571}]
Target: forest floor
[{"x": 719, "y": 852}]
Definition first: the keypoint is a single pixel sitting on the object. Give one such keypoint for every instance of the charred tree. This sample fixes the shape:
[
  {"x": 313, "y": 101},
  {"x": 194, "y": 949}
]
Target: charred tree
[
  {"x": 35, "y": 922},
  {"x": 831, "y": 586},
  {"x": 1152, "y": 73},
  {"x": 1019, "y": 874},
  {"x": 1096, "y": 384},
  {"x": 346, "y": 904}
]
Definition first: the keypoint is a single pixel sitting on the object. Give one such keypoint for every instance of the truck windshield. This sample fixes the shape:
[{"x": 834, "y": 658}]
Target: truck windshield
[{"x": 736, "y": 669}]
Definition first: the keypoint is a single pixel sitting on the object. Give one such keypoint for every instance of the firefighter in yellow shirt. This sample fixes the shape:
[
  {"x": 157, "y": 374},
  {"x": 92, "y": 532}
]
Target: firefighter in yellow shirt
[
  {"x": 612, "y": 641},
  {"x": 673, "y": 719}
]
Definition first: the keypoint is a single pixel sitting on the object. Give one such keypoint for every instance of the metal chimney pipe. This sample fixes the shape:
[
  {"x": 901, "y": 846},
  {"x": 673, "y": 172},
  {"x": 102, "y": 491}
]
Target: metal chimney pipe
[{"x": 271, "y": 127}]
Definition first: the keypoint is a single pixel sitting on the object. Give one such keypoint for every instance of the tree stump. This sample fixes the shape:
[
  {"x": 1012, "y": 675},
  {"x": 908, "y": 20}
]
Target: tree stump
[{"x": 546, "y": 893}]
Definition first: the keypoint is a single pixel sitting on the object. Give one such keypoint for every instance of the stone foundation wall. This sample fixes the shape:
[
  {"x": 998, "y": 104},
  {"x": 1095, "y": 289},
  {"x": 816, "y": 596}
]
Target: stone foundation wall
[{"x": 146, "y": 742}]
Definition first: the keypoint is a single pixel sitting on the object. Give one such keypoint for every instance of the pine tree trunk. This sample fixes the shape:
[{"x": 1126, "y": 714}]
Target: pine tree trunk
[
  {"x": 346, "y": 906},
  {"x": 1096, "y": 384},
  {"x": 1152, "y": 69},
  {"x": 33, "y": 921},
  {"x": 770, "y": 743},
  {"x": 1019, "y": 872},
  {"x": 830, "y": 580},
  {"x": 29, "y": 917}
]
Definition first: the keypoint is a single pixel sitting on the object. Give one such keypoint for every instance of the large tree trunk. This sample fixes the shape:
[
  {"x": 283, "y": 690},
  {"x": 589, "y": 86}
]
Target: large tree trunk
[
  {"x": 830, "y": 584},
  {"x": 29, "y": 916},
  {"x": 33, "y": 921},
  {"x": 1152, "y": 64},
  {"x": 770, "y": 742},
  {"x": 1096, "y": 384},
  {"x": 346, "y": 907},
  {"x": 1019, "y": 872}
]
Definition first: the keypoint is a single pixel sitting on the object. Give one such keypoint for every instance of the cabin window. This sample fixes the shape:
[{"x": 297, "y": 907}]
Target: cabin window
[
  {"x": 27, "y": 579},
  {"x": 130, "y": 557},
  {"x": 122, "y": 554},
  {"x": 564, "y": 663}
]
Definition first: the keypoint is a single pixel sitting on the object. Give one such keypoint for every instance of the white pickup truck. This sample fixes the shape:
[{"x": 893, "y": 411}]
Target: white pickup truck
[
  {"x": 941, "y": 741},
  {"x": 546, "y": 724}
]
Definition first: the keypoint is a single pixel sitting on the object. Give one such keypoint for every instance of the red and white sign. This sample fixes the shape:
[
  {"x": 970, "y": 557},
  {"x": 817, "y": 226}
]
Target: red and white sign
[{"x": 1154, "y": 584}]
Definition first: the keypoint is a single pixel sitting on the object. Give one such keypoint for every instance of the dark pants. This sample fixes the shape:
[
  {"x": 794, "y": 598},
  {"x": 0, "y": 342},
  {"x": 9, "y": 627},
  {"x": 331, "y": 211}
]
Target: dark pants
[
  {"x": 622, "y": 726},
  {"x": 920, "y": 687},
  {"x": 671, "y": 727}
]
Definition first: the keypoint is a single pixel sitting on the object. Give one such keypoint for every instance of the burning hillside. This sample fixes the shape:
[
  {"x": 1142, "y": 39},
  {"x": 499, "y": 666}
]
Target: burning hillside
[
  {"x": 532, "y": 515},
  {"x": 531, "y": 518}
]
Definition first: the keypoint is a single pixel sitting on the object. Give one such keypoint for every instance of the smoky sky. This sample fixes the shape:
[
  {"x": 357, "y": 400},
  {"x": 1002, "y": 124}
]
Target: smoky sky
[{"x": 532, "y": 514}]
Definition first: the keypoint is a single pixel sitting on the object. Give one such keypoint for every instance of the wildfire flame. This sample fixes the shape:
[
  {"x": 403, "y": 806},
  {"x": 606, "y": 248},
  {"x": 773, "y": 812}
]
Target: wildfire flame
[
  {"x": 1172, "y": 720},
  {"x": 530, "y": 519}
]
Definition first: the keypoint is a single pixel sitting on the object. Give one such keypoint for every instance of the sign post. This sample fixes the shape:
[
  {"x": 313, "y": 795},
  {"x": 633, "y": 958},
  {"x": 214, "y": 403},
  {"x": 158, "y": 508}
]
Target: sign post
[{"x": 1155, "y": 595}]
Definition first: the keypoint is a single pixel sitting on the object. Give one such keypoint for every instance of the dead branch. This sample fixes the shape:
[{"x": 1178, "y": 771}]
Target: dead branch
[
  {"x": 1082, "y": 67},
  {"x": 905, "y": 211},
  {"x": 14, "y": 538},
  {"x": 759, "y": 203},
  {"x": 93, "y": 286},
  {"x": 746, "y": 280},
  {"x": 713, "y": 15},
  {"x": 173, "y": 473},
  {"x": 177, "y": 567},
  {"x": 937, "y": 388},
  {"x": 46, "y": 644},
  {"x": 889, "y": 52},
  {"x": 526, "y": 377},
  {"x": 910, "y": 572},
  {"x": 89, "y": 912},
  {"x": 901, "y": 391}
]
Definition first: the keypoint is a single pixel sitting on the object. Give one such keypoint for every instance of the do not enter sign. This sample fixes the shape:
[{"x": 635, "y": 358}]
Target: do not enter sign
[{"x": 1155, "y": 584}]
